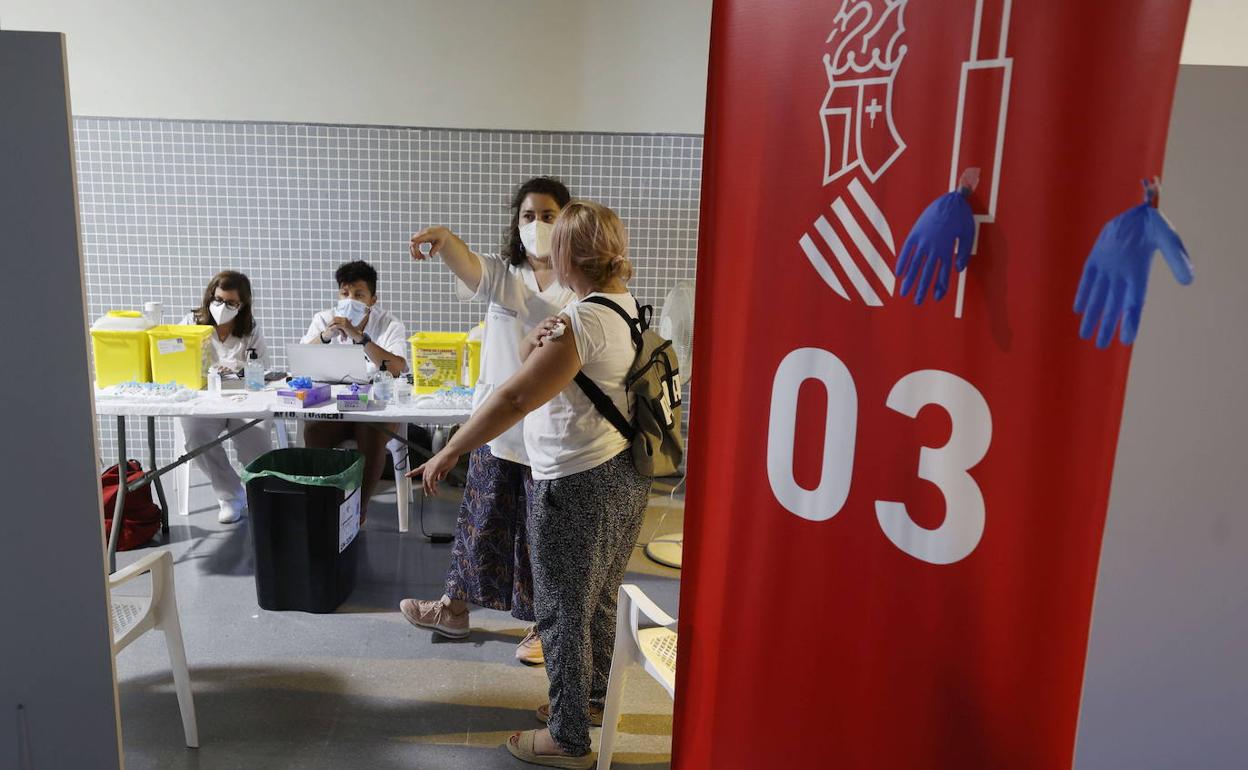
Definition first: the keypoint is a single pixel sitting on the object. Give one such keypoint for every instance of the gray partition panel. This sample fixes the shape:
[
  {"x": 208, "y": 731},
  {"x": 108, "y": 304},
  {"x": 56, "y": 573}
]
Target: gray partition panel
[
  {"x": 56, "y": 679},
  {"x": 1167, "y": 673}
]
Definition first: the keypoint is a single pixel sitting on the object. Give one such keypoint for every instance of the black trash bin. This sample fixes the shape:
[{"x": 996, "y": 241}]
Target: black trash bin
[{"x": 304, "y": 509}]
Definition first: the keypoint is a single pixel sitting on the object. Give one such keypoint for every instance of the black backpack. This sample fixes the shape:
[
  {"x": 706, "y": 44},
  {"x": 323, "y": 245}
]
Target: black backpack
[{"x": 654, "y": 382}]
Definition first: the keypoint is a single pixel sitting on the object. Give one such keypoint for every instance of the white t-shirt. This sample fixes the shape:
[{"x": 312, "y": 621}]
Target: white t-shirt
[
  {"x": 516, "y": 305},
  {"x": 386, "y": 330},
  {"x": 232, "y": 351},
  {"x": 567, "y": 434}
]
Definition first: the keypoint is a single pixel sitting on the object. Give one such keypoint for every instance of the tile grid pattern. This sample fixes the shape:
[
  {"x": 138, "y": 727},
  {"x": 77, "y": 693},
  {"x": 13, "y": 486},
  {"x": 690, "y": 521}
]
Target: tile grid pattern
[{"x": 165, "y": 204}]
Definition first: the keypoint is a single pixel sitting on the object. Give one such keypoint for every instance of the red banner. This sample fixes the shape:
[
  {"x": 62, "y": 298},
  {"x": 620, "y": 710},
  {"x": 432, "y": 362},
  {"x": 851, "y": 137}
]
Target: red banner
[{"x": 895, "y": 512}]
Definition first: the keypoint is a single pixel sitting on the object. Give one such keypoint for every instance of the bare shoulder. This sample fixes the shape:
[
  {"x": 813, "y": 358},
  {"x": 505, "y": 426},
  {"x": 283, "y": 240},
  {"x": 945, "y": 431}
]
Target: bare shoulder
[
  {"x": 561, "y": 348},
  {"x": 563, "y": 335}
]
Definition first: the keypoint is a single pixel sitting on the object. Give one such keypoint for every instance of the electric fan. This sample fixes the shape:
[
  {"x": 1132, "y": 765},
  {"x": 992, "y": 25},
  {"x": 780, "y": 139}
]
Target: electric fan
[{"x": 675, "y": 324}]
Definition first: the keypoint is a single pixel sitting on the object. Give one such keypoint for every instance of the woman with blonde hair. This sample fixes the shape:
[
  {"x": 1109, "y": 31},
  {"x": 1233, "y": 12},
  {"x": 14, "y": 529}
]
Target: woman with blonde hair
[{"x": 588, "y": 498}]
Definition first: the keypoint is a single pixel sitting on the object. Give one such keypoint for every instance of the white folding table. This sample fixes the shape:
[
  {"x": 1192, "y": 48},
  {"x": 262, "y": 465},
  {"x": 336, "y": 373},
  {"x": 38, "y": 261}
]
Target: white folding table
[{"x": 253, "y": 408}]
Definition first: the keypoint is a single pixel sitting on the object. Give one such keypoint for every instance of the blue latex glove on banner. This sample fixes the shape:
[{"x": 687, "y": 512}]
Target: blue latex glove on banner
[
  {"x": 1115, "y": 275},
  {"x": 927, "y": 256}
]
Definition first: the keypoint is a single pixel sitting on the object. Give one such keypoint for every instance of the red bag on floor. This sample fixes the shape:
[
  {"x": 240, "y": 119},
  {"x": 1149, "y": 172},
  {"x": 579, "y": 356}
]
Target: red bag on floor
[{"x": 142, "y": 516}]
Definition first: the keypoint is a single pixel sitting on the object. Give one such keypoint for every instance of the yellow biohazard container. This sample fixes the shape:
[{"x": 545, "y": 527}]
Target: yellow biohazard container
[
  {"x": 178, "y": 354},
  {"x": 437, "y": 360},
  {"x": 472, "y": 356},
  {"x": 119, "y": 347}
]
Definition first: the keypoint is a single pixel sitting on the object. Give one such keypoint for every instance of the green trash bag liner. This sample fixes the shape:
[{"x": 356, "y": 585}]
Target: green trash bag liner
[{"x": 342, "y": 468}]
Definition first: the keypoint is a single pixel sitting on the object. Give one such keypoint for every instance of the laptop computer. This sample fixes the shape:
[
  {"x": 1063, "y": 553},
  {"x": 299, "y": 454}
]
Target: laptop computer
[{"x": 328, "y": 363}]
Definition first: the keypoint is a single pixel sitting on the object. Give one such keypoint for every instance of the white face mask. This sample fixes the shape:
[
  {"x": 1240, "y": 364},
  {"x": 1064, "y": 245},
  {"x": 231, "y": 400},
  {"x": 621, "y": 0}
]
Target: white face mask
[
  {"x": 536, "y": 238},
  {"x": 351, "y": 309},
  {"x": 221, "y": 312}
]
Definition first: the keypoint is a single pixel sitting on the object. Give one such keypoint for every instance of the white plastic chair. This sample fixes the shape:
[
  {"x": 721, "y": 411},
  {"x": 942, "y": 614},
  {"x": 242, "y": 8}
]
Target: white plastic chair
[
  {"x": 182, "y": 474},
  {"x": 402, "y": 484},
  {"x": 653, "y": 649},
  {"x": 133, "y": 616}
]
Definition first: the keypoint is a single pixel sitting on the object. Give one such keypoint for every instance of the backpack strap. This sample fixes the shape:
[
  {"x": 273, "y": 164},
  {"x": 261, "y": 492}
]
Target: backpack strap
[
  {"x": 605, "y": 406},
  {"x": 644, "y": 314},
  {"x": 601, "y": 401},
  {"x": 635, "y": 325}
]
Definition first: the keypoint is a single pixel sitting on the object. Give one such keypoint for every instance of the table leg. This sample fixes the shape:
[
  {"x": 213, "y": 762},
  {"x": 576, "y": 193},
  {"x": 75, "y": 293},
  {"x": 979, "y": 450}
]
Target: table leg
[
  {"x": 160, "y": 489},
  {"x": 152, "y": 476},
  {"x": 114, "y": 534},
  {"x": 421, "y": 456}
]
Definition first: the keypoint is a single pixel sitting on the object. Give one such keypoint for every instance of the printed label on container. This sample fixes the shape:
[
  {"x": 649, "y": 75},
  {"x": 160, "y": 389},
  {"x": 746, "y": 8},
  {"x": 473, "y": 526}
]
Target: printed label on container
[
  {"x": 348, "y": 520},
  {"x": 175, "y": 345},
  {"x": 308, "y": 415}
]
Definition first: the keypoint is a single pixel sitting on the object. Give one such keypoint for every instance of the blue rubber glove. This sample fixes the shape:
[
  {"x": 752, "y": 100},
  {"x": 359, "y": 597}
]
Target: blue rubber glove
[
  {"x": 1115, "y": 275},
  {"x": 929, "y": 248}
]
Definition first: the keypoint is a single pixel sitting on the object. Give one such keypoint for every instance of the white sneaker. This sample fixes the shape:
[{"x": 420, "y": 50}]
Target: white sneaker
[{"x": 230, "y": 511}]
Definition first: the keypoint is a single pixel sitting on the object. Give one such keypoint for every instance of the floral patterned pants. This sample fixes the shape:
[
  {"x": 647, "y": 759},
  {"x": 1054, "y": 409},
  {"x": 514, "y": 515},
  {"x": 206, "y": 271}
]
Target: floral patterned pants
[{"x": 490, "y": 559}]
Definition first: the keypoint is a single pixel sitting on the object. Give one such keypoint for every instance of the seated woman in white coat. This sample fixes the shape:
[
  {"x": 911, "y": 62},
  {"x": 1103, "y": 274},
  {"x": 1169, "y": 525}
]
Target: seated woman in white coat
[{"x": 226, "y": 307}]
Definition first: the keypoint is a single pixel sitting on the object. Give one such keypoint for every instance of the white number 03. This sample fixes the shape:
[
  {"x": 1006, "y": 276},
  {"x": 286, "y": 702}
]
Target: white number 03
[{"x": 947, "y": 467}]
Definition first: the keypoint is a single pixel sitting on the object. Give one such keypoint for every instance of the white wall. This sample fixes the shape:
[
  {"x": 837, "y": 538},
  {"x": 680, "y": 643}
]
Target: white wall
[
  {"x": 558, "y": 65},
  {"x": 1216, "y": 31},
  {"x": 1167, "y": 673},
  {"x": 566, "y": 65}
]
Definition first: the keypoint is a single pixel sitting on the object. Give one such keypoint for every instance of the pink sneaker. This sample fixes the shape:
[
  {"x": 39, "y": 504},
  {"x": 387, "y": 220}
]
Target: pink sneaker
[
  {"x": 436, "y": 616},
  {"x": 529, "y": 651}
]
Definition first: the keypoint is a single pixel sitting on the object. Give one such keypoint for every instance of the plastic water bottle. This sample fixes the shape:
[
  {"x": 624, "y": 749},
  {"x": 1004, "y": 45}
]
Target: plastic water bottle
[
  {"x": 154, "y": 312},
  {"x": 383, "y": 386},
  {"x": 253, "y": 371},
  {"x": 403, "y": 390},
  {"x": 214, "y": 381}
]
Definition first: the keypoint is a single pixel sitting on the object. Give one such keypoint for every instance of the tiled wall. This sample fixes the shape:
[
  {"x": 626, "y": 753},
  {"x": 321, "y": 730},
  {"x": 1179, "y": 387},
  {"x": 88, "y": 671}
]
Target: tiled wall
[{"x": 166, "y": 204}]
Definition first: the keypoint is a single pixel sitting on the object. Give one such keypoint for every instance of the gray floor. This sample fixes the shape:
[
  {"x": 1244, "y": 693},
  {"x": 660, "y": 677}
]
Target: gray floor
[{"x": 359, "y": 688}]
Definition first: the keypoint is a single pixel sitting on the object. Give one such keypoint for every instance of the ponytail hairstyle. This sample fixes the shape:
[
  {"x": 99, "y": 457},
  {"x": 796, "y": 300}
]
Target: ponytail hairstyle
[{"x": 590, "y": 237}]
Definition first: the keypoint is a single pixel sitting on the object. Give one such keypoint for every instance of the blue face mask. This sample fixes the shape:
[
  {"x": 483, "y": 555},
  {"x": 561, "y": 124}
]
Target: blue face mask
[{"x": 351, "y": 309}]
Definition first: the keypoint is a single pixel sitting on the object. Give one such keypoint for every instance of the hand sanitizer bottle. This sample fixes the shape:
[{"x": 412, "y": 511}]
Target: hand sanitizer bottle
[{"x": 253, "y": 371}]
